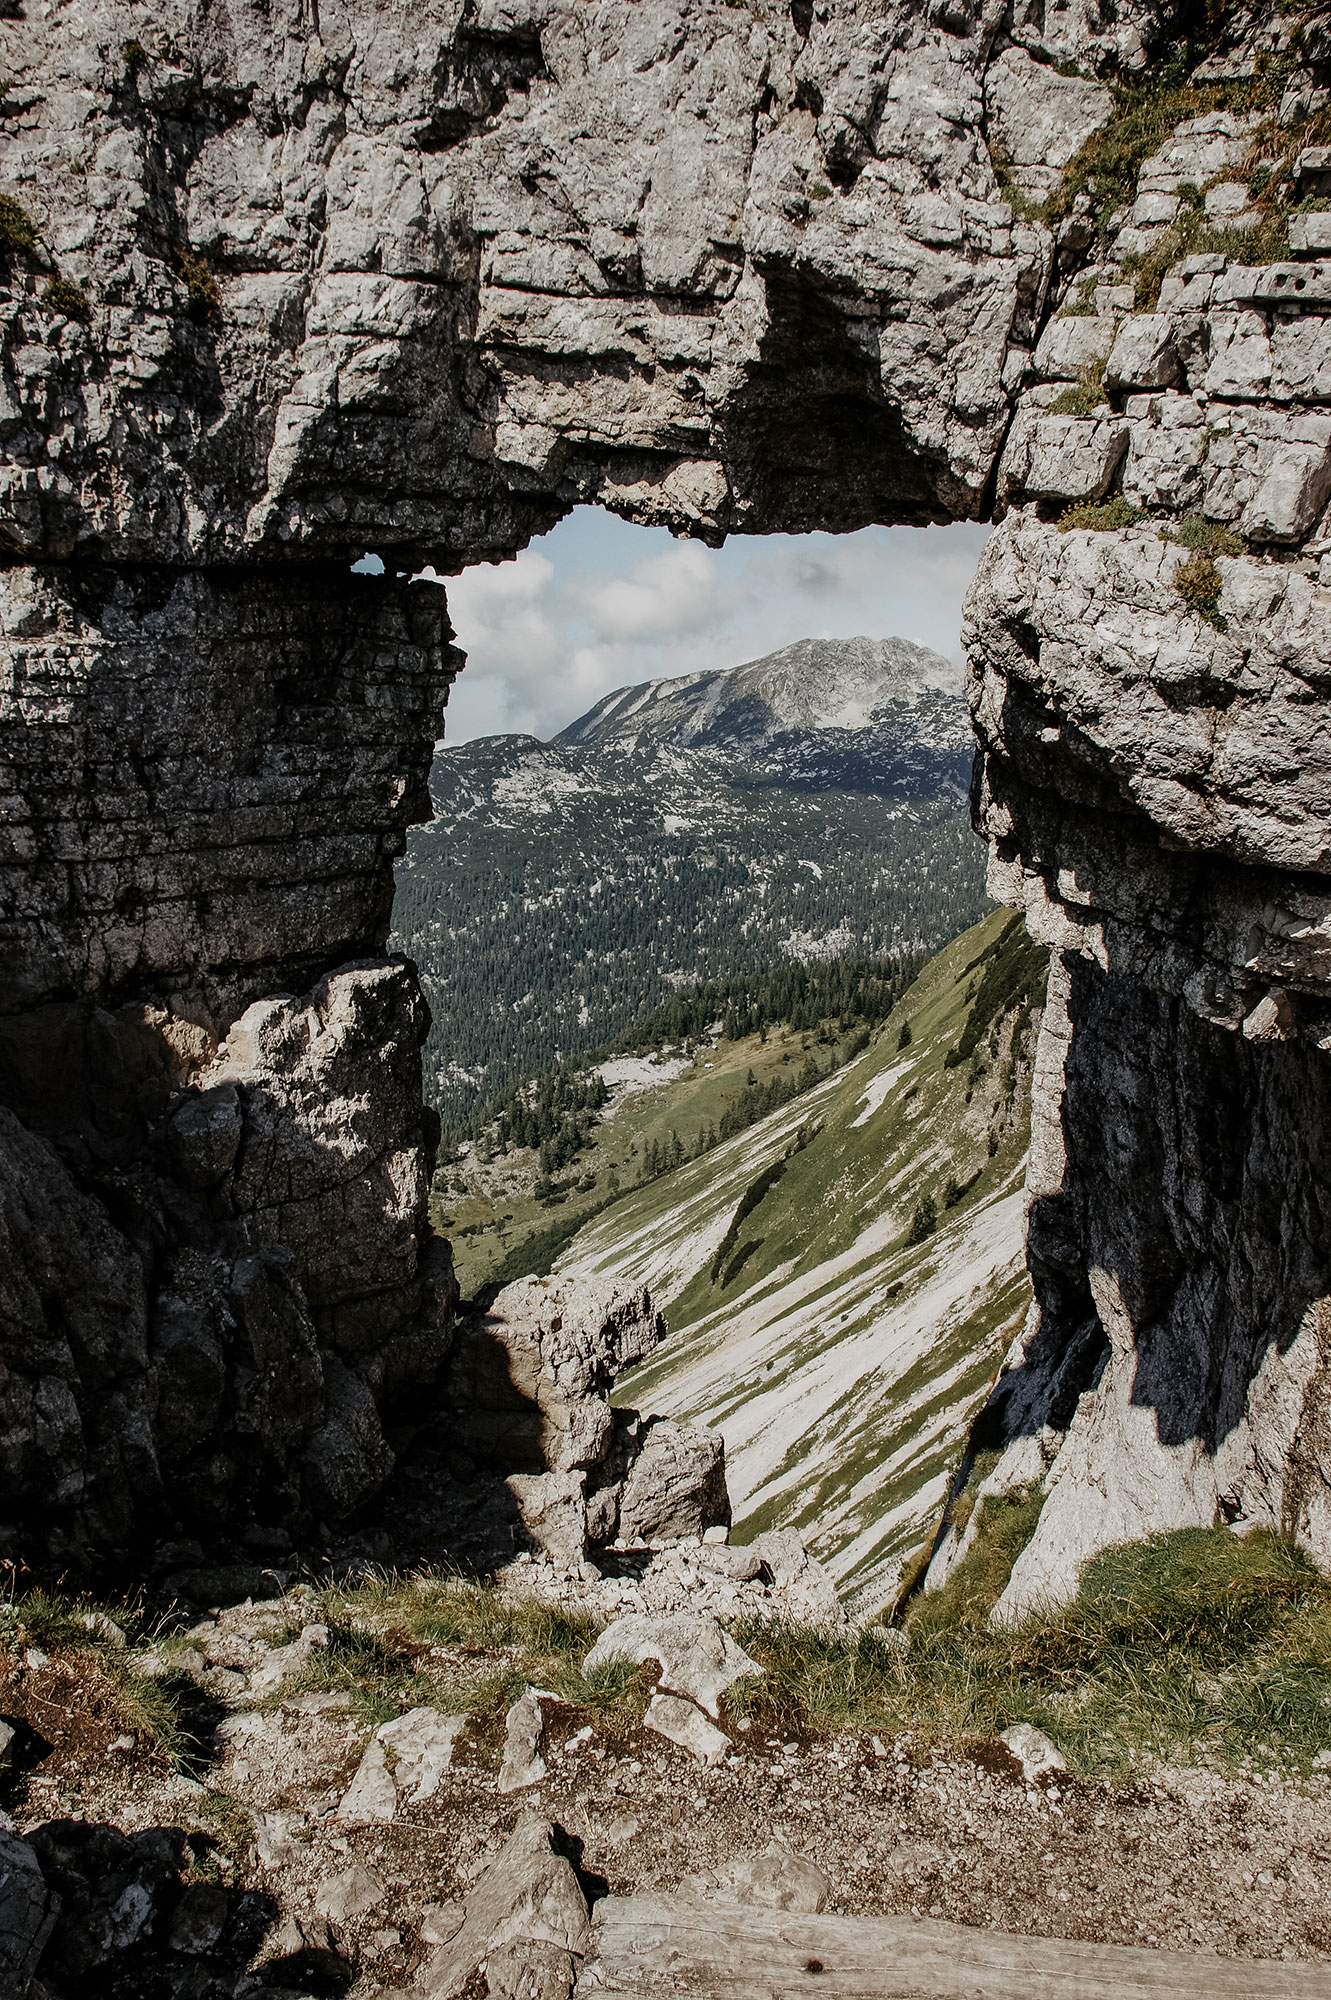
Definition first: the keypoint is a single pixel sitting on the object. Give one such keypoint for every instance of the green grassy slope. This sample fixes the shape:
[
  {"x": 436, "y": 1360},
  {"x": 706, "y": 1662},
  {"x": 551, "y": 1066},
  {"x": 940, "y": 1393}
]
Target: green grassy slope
[
  {"x": 841, "y": 1359},
  {"x": 489, "y": 1208}
]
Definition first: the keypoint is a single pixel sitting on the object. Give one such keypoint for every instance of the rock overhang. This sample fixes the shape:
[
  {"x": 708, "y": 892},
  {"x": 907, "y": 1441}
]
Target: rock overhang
[{"x": 641, "y": 269}]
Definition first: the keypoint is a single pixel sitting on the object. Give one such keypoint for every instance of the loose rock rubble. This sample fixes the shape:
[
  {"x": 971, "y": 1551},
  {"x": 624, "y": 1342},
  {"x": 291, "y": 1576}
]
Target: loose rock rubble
[
  {"x": 467, "y": 1882},
  {"x": 405, "y": 1760},
  {"x": 774, "y": 1576}
]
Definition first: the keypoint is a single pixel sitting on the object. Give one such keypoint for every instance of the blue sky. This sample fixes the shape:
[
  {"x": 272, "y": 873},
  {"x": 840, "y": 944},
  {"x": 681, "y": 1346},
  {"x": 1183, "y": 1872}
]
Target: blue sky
[{"x": 598, "y": 604}]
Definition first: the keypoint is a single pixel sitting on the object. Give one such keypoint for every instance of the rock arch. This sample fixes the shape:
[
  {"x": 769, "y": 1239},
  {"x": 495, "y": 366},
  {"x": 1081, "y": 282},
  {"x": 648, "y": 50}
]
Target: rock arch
[{"x": 421, "y": 277}]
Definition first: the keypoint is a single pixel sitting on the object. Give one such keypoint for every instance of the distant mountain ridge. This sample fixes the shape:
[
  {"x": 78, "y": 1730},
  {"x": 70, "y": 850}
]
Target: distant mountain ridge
[
  {"x": 814, "y": 684},
  {"x": 812, "y": 804}
]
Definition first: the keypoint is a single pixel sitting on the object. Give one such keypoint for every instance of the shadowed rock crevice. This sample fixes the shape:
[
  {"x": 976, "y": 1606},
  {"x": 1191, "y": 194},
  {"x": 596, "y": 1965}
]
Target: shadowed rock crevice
[
  {"x": 1193, "y": 1392},
  {"x": 813, "y": 420},
  {"x": 107, "y": 1915},
  {"x": 522, "y": 1449},
  {"x": 207, "y": 1331}
]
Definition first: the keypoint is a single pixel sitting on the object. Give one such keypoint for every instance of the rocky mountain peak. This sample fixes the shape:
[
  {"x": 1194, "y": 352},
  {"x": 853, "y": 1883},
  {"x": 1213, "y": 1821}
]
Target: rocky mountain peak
[{"x": 813, "y": 684}]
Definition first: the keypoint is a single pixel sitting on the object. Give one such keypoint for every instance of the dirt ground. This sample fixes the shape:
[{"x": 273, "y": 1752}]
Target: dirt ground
[{"x": 1186, "y": 1860}]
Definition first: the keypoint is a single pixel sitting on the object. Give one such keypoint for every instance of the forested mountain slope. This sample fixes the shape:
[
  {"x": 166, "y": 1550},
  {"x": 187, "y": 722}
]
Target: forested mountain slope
[
  {"x": 810, "y": 805},
  {"x": 550, "y": 1152}
]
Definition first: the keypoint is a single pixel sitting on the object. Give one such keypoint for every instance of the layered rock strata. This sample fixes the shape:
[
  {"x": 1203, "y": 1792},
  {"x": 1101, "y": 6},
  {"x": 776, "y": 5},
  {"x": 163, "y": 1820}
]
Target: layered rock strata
[
  {"x": 1155, "y": 784},
  {"x": 421, "y": 279}
]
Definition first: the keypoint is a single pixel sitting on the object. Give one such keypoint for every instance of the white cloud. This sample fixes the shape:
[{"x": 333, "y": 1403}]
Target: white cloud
[{"x": 676, "y": 591}]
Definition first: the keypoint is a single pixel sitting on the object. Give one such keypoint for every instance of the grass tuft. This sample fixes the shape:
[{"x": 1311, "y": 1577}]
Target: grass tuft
[
  {"x": 18, "y": 231},
  {"x": 1191, "y": 235},
  {"x": 975, "y": 1586},
  {"x": 1198, "y": 582},
  {"x": 203, "y": 297},
  {"x": 1197, "y": 1646},
  {"x": 1083, "y": 396},
  {"x": 441, "y": 1641},
  {"x": 1102, "y": 516},
  {"x": 159, "y": 1710},
  {"x": 1194, "y": 531},
  {"x": 67, "y": 300}
]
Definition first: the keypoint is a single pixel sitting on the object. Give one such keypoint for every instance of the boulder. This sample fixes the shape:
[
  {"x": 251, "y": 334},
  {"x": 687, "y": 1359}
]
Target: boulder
[
  {"x": 350, "y": 1894},
  {"x": 553, "y": 1507},
  {"x": 1293, "y": 492},
  {"x": 1033, "y": 1750},
  {"x": 28, "y": 1912},
  {"x": 1143, "y": 355},
  {"x": 116, "y": 1894},
  {"x": 529, "y": 1386},
  {"x": 199, "y": 1918},
  {"x": 524, "y": 1726},
  {"x": 1310, "y": 235},
  {"x": 737, "y": 1565},
  {"x": 530, "y": 1969},
  {"x": 1068, "y": 347},
  {"x": 371, "y": 1797},
  {"x": 699, "y": 1659},
  {"x": 684, "y": 1724},
  {"x": 440, "y": 1923},
  {"x": 421, "y": 1744},
  {"x": 676, "y": 1484},
  {"x": 530, "y": 1377},
  {"x": 347, "y": 1458},
  {"x": 1039, "y": 118},
  {"x": 806, "y": 1583},
  {"x": 776, "y": 1879},
  {"x": 283, "y": 1662},
  {"x": 526, "y": 1905},
  {"x": 1063, "y": 458}
]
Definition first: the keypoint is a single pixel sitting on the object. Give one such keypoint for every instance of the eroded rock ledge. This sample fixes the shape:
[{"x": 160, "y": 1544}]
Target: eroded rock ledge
[{"x": 421, "y": 279}]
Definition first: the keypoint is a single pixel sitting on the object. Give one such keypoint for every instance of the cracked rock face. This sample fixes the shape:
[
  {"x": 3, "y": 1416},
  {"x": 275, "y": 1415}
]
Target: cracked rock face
[
  {"x": 1155, "y": 785},
  {"x": 421, "y": 279},
  {"x": 455, "y": 267}
]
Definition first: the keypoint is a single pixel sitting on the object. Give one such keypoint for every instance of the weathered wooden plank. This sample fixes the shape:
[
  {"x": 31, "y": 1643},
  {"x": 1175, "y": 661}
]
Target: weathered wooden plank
[{"x": 648, "y": 1948}]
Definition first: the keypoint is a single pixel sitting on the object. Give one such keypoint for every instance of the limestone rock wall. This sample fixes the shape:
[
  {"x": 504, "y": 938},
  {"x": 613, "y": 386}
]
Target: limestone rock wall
[
  {"x": 206, "y": 1334},
  {"x": 279, "y": 287},
  {"x": 455, "y": 266},
  {"x": 219, "y": 1269},
  {"x": 416, "y": 278},
  {"x": 1155, "y": 785}
]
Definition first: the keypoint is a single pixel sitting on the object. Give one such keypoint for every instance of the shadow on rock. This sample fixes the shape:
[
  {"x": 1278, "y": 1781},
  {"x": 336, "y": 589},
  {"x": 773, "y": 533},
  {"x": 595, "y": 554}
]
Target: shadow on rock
[{"x": 90, "y": 1913}]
